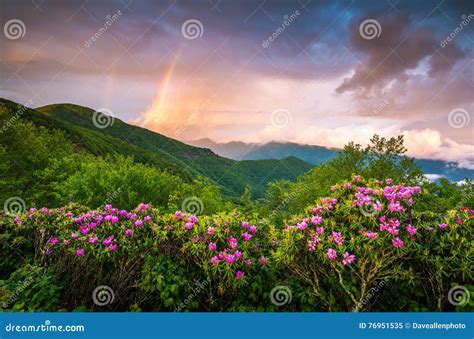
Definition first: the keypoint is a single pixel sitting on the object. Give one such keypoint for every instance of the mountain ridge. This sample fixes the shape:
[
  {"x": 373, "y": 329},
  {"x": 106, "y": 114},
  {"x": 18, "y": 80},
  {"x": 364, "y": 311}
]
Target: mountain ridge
[
  {"x": 145, "y": 146},
  {"x": 315, "y": 155}
]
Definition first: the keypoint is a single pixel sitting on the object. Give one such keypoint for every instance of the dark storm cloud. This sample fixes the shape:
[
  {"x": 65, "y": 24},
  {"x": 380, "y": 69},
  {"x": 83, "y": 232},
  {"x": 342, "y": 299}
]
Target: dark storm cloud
[{"x": 401, "y": 46}]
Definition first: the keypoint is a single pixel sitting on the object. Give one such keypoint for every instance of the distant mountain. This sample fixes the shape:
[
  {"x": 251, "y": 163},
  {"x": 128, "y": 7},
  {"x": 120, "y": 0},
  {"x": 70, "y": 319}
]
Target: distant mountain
[
  {"x": 318, "y": 154},
  {"x": 157, "y": 150}
]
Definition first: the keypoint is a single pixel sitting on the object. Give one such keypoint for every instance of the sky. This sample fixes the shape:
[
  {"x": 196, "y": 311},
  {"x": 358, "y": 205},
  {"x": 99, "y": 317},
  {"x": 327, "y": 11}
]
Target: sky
[{"x": 315, "y": 72}]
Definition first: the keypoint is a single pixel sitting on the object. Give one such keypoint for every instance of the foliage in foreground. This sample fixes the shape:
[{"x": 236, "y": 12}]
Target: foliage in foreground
[{"x": 329, "y": 258}]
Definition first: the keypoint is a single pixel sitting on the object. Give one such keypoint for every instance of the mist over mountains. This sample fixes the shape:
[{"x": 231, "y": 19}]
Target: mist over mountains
[{"x": 316, "y": 155}]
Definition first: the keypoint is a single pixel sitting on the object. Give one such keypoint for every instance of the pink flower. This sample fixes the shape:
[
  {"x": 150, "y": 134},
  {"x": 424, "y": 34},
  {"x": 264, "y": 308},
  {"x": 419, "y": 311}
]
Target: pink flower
[
  {"x": 247, "y": 236},
  {"x": 147, "y": 218},
  {"x": 112, "y": 247},
  {"x": 138, "y": 223},
  {"x": 128, "y": 232},
  {"x": 53, "y": 241},
  {"x": 108, "y": 241},
  {"x": 238, "y": 254},
  {"x": 232, "y": 242},
  {"x": 412, "y": 230},
  {"x": 248, "y": 262},
  {"x": 263, "y": 260},
  {"x": 320, "y": 230},
  {"x": 443, "y": 225},
  {"x": 252, "y": 229},
  {"x": 317, "y": 220},
  {"x": 239, "y": 275},
  {"x": 230, "y": 258},
  {"x": 388, "y": 181},
  {"x": 214, "y": 261},
  {"x": 93, "y": 240},
  {"x": 245, "y": 224},
  {"x": 179, "y": 215},
  {"x": 193, "y": 219},
  {"x": 333, "y": 188},
  {"x": 338, "y": 238},
  {"x": 74, "y": 236},
  {"x": 348, "y": 258},
  {"x": 397, "y": 242},
  {"x": 332, "y": 254},
  {"x": 302, "y": 225},
  {"x": 212, "y": 246},
  {"x": 189, "y": 225},
  {"x": 80, "y": 252},
  {"x": 211, "y": 230},
  {"x": 371, "y": 235},
  {"x": 357, "y": 178}
]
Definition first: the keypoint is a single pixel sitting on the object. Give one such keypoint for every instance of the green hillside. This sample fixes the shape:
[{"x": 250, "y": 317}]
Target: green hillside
[{"x": 151, "y": 148}]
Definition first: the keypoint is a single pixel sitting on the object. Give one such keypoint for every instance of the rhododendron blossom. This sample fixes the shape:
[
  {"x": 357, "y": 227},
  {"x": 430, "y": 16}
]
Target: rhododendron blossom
[
  {"x": 348, "y": 258},
  {"x": 397, "y": 242},
  {"x": 332, "y": 254},
  {"x": 410, "y": 229},
  {"x": 247, "y": 236}
]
